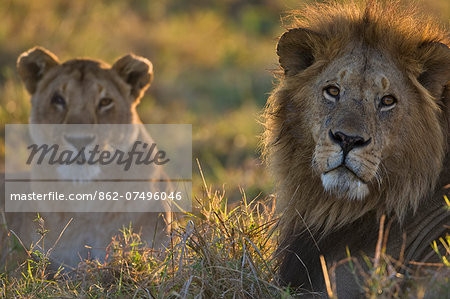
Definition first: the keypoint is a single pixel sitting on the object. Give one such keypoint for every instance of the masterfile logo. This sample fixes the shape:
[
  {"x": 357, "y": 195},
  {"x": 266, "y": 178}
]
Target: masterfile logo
[
  {"x": 98, "y": 168},
  {"x": 53, "y": 155}
]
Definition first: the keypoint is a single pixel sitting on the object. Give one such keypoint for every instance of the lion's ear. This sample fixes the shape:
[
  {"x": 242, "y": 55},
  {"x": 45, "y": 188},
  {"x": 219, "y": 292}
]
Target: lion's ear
[
  {"x": 33, "y": 64},
  {"x": 295, "y": 50},
  {"x": 136, "y": 71},
  {"x": 435, "y": 58}
]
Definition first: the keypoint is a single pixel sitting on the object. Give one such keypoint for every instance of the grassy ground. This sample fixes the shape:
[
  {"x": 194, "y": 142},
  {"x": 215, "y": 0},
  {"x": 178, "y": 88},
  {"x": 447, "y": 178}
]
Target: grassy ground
[
  {"x": 214, "y": 252},
  {"x": 213, "y": 62}
]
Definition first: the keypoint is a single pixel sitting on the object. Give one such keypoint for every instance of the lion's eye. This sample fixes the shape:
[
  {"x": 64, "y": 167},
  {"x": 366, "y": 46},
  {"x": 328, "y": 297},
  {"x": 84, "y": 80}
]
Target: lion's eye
[
  {"x": 58, "y": 100},
  {"x": 104, "y": 102},
  {"x": 332, "y": 93},
  {"x": 387, "y": 102}
]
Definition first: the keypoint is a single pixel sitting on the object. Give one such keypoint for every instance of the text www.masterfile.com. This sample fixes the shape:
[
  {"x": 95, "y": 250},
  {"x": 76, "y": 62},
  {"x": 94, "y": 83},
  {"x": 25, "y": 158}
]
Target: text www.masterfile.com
[{"x": 97, "y": 195}]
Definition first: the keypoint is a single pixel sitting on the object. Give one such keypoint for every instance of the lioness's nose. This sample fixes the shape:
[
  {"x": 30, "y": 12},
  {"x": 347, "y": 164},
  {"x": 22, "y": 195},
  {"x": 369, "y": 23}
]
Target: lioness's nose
[
  {"x": 346, "y": 142},
  {"x": 79, "y": 141}
]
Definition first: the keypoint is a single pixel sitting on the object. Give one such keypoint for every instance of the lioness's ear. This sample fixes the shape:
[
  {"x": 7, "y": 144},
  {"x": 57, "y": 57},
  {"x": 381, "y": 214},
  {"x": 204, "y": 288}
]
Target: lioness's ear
[
  {"x": 33, "y": 64},
  {"x": 136, "y": 71},
  {"x": 295, "y": 50},
  {"x": 435, "y": 58}
]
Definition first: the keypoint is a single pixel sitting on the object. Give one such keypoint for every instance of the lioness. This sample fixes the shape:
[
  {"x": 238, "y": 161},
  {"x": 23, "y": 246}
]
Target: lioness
[
  {"x": 84, "y": 91},
  {"x": 358, "y": 127}
]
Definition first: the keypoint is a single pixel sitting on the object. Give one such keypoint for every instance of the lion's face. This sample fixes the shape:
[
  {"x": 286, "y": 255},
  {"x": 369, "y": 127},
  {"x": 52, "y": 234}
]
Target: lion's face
[
  {"x": 358, "y": 104},
  {"x": 359, "y": 120}
]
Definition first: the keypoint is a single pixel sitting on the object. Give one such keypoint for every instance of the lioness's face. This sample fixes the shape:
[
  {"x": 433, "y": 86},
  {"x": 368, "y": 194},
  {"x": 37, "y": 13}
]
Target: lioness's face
[
  {"x": 83, "y": 91},
  {"x": 360, "y": 100},
  {"x": 69, "y": 94}
]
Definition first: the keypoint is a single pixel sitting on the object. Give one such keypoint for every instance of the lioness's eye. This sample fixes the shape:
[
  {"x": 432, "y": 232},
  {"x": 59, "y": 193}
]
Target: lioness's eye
[
  {"x": 387, "y": 102},
  {"x": 331, "y": 93},
  {"x": 104, "y": 102},
  {"x": 58, "y": 100}
]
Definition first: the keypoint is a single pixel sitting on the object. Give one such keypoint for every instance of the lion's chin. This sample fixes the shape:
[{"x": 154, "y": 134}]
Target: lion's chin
[{"x": 345, "y": 184}]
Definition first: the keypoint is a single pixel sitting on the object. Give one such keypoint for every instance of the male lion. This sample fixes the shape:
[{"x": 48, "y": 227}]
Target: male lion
[
  {"x": 84, "y": 91},
  {"x": 358, "y": 127}
]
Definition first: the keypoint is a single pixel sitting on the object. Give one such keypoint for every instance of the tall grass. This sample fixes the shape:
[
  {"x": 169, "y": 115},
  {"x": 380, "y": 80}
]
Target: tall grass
[{"x": 214, "y": 252}]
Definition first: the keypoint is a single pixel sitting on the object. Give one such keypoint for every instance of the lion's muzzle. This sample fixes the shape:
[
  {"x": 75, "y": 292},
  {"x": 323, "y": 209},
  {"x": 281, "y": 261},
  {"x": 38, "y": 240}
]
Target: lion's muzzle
[{"x": 342, "y": 163}]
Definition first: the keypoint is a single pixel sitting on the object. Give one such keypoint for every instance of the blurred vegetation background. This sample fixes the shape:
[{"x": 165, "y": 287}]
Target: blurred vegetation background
[{"x": 212, "y": 61}]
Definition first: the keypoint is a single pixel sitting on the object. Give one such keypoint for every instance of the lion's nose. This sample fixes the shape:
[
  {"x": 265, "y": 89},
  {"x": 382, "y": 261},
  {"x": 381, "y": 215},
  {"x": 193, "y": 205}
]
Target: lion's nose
[
  {"x": 79, "y": 141},
  {"x": 346, "y": 142}
]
